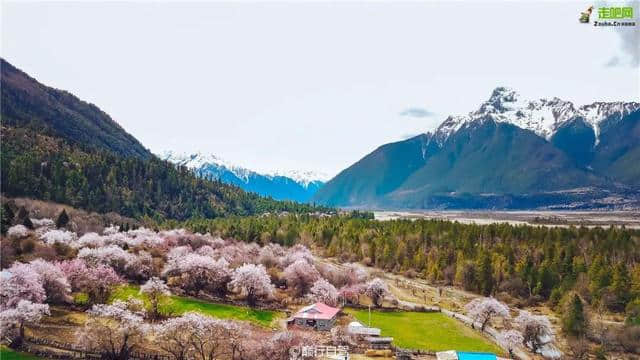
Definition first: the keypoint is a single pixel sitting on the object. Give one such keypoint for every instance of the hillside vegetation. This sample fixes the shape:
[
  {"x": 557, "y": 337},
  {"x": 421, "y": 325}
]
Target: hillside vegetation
[
  {"x": 522, "y": 263},
  {"x": 58, "y": 148}
]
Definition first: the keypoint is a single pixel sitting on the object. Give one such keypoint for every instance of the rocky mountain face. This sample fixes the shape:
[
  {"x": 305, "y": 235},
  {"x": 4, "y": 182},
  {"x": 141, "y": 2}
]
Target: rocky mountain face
[
  {"x": 284, "y": 185},
  {"x": 509, "y": 153}
]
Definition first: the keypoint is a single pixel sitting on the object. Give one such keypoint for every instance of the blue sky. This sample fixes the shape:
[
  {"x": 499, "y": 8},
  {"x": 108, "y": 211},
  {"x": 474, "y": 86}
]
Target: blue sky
[{"x": 311, "y": 85}]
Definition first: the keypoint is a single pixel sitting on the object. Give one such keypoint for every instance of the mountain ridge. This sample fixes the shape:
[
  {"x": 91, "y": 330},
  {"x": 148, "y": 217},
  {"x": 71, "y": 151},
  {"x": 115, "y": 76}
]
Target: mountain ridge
[
  {"x": 515, "y": 153},
  {"x": 293, "y": 185}
]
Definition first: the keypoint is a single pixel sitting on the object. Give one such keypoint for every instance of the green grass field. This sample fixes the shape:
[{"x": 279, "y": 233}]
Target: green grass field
[
  {"x": 179, "y": 305},
  {"x": 9, "y": 354},
  {"x": 427, "y": 331}
]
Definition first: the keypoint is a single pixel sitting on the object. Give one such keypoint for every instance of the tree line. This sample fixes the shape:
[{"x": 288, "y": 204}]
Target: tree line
[
  {"x": 48, "y": 168},
  {"x": 527, "y": 263}
]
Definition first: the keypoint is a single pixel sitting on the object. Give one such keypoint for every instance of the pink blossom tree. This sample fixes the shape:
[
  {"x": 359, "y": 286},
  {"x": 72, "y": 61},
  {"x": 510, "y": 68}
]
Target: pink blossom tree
[
  {"x": 483, "y": 309},
  {"x": 20, "y": 282},
  {"x": 113, "y": 330},
  {"x": 95, "y": 281},
  {"x": 197, "y": 272},
  {"x": 355, "y": 274},
  {"x": 89, "y": 239},
  {"x": 323, "y": 291},
  {"x": 297, "y": 252},
  {"x": 536, "y": 329},
  {"x": 59, "y": 237},
  {"x": 252, "y": 281},
  {"x": 351, "y": 293},
  {"x": 18, "y": 232},
  {"x": 54, "y": 281},
  {"x": 510, "y": 339},
  {"x": 156, "y": 291},
  {"x": 139, "y": 267},
  {"x": 111, "y": 255},
  {"x": 301, "y": 275},
  {"x": 24, "y": 313},
  {"x": 377, "y": 289}
]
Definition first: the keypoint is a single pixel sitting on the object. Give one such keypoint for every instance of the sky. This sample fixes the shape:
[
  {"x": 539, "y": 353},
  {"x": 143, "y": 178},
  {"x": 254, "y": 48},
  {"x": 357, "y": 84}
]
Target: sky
[{"x": 312, "y": 86}]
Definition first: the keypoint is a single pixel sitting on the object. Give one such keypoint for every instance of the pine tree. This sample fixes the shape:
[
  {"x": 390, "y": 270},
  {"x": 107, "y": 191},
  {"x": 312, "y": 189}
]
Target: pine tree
[
  {"x": 27, "y": 223},
  {"x": 7, "y": 218},
  {"x": 621, "y": 286},
  {"x": 574, "y": 320},
  {"x": 63, "y": 219}
]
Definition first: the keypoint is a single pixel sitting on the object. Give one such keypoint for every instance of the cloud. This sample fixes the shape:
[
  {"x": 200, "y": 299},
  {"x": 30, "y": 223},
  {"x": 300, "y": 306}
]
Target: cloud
[
  {"x": 409, "y": 135},
  {"x": 614, "y": 61},
  {"x": 629, "y": 43},
  {"x": 417, "y": 112}
]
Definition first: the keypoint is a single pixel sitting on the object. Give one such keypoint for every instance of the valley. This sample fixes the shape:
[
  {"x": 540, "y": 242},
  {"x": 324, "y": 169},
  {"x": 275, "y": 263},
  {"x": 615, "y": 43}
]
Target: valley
[{"x": 628, "y": 219}]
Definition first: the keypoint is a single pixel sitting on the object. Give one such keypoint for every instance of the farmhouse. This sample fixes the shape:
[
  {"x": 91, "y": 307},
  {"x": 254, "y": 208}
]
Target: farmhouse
[{"x": 318, "y": 316}]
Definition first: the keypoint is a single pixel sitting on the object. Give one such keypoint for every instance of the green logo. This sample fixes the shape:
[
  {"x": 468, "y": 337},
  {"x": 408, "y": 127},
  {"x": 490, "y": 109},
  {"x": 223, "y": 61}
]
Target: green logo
[{"x": 625, "y": 12}]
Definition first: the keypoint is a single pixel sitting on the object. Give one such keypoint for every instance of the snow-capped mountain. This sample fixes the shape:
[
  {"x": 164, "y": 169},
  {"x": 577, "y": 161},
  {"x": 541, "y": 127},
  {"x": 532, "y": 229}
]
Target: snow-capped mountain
[
  {"x": 544, "y": 116},
  {"x": 509, "y": 153},
  {"x": 294, "y": 185}
]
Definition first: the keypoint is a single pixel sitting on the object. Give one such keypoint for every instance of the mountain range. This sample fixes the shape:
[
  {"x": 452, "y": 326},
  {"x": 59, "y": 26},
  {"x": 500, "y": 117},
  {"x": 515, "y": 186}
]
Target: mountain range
[
  {"x": 509, "y": 153},
  {"x": 287, "y": 185},
  {"x": 56, "y": 147}
]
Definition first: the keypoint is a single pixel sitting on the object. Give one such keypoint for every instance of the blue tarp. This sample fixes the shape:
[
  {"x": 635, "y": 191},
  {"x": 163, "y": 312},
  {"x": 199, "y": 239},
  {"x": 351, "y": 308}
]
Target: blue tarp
[{"x": 475, "y": 356}]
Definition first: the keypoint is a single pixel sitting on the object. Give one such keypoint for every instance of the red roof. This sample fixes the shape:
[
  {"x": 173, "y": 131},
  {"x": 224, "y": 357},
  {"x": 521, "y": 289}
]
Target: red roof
[{"x": 317, "y": 311}]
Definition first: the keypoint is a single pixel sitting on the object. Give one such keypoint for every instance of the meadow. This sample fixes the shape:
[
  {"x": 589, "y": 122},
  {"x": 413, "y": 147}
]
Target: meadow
[
  {"x": 426, "y": 331},
  {"x": 178, "y": 305}
]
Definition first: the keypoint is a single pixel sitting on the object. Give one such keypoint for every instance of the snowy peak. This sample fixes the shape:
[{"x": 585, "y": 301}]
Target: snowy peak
[
  {"x": 198, "y": 161},
  {"x": 543, "y": 116},
  {"x": 303, "y": 177},
  {"x": 213, "y": 164}
]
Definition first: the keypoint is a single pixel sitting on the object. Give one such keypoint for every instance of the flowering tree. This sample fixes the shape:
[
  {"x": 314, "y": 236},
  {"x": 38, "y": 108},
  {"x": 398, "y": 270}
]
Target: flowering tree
[
  {"x": 96, "y": 281},
  {"x": 483, "y": 309},
  {"x": 253, "y": 281},
  {"x": 340, "y": 336},
  {"x": 54, "y": 281},
  {"x": 25, "y": 312},
  {"x": 351, "y": 293},
  {"x": 139, "y": 267},
  {"x": 89, "y": 239},
  {"x": 17, "y": 232},
  {"x": 324, "y": 292},
  {"x": 20, "y": 282},
  {"x": 510, "y": 339},
  {"x": 59, "y": 236},
  {"x": 44, "y": 222},
  {"x": 111, "y": 255},
  {"x": 175, "y": 335},
  {"x": 156, "y": 291},
  {"x": 355, "y": 274},
  {"x": 376, "y": 289},
  {"x": 536, "y": 329},
  {"x": 113, "y": 330},
  {"x": 300, "y": 275},
  {"x": 197, "y": 272},
  {"x": 297, "y": 252}
]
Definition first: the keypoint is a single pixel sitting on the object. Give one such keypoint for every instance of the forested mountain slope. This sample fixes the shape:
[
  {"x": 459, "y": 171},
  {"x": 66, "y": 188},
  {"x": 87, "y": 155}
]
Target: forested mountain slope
[{"x": 56, "y": 147}]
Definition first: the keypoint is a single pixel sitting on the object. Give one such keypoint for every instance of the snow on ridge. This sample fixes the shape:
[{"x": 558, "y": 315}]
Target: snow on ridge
[
  {"x": 302, "y": 177},
  {"x": 543, "y": 116},
  {"x": 197, "y": 161}
]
